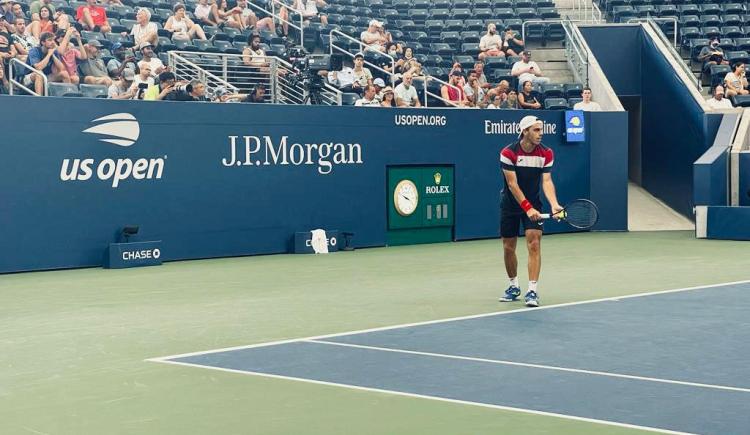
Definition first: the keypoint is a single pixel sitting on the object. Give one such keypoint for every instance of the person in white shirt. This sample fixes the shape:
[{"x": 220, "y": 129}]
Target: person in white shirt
[
  {"x": 369, "y": 99},
  {"x": 203, "y": 13},
  {"x": 491, "y": 44},
  {"x": 406, "y": 94},
  {"x": 309, "y": 10},
  {"x": 149, "y": 57},
  {"x": 144, "y": 31},
  {"x": 527, "y": 70},
  {"x": 587, "y": 104},
  {"x": 375, "y": 36},
  {"x": 735, "y": 81},
  {"x": 718, "y": 101}
]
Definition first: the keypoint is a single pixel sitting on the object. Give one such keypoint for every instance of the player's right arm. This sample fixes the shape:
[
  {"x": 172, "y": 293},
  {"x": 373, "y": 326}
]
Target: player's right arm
[{"x": 515, "y": 189}]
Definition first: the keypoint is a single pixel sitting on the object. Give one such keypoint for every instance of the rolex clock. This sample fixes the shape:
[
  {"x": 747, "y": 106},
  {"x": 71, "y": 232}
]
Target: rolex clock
[{"x": 405, "y": 197}]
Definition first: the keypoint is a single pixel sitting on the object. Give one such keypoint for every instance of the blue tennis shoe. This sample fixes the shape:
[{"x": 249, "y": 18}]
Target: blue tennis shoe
[
  {"x": 511, "y": 294},
  {"x": 531, "y": 298}
]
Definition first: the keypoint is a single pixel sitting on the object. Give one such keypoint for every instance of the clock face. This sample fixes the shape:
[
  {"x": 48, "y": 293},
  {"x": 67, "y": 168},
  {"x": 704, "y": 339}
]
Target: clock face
[{"x": 405, "y": 197}]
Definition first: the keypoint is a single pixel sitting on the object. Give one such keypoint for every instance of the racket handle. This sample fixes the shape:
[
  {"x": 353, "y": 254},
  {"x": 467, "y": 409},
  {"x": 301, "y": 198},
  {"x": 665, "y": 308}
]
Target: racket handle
[{"x": 545, "y": 215}]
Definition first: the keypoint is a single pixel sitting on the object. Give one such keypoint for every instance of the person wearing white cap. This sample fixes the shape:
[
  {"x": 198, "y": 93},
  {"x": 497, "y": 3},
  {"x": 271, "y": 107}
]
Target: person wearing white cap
[
  {"x": 379, "y": 86},
  {"x": 526, "y": 165},
  {"x": 375, "y": 36}
]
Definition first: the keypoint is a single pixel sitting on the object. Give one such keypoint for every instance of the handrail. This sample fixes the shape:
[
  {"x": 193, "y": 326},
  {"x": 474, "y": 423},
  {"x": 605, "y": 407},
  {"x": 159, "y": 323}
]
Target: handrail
[
  {"x": 175, "y": 54},
  {"x": 272, "y": 12},
  {"x": 677, "y": 58},
  {"x": 666, "y": 19},
  {"x": 363, "y": 48},
  {"x": 13, "y": 80},
  {"x": 598, "y": 11},
  {"x": 574, "y": 36}
]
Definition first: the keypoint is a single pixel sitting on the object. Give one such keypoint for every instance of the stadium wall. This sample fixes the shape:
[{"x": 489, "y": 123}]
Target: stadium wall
[
  {"x": 675, "y": 130},
  {"x": 236, "y": 179}
]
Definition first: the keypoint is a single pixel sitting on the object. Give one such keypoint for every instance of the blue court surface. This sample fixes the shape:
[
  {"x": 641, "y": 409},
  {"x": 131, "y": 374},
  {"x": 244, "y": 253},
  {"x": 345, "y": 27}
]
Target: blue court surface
[{"x": 675, "y": 361}]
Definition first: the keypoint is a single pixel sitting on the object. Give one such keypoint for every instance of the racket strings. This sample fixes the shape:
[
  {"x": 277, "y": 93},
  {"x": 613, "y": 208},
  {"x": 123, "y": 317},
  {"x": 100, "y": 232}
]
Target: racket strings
[{"x": 581, "y": 214}]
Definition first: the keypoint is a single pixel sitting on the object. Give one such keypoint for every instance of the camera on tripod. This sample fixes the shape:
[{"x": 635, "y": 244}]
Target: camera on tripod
[{"x": 308, "y": 66}]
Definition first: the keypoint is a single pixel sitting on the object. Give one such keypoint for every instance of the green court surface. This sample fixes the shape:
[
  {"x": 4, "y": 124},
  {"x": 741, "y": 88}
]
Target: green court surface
[{"x": 74, "y": 343}]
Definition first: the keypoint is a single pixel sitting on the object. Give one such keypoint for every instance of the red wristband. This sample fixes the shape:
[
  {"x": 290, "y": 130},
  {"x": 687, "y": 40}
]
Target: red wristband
[{"x": 526, "y": 205}]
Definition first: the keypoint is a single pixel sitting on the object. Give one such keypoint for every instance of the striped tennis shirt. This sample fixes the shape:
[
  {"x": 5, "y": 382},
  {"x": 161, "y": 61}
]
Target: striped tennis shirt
[{"x": 529, "y": 167}]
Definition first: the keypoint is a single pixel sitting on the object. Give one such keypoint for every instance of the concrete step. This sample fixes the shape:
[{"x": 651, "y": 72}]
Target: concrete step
[{"x": 543, "y": 54}]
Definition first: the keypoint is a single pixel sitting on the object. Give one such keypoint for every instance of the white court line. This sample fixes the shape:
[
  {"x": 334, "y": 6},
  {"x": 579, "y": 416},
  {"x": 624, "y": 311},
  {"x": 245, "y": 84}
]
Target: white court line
[
  {"x": 436, "y": 398},
  {"x": 452, "y": 319},
  {"x": 536, "y": 366}
]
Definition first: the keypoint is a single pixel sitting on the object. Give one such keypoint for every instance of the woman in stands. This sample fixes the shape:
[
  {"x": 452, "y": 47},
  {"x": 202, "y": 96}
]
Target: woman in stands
[
  {"x": 388, "y": 98},
  {"x": 45, "y": 23},
  {"x": 735, "y": 81},
  {"x": 70, "y": 55},
  {"x": 309, "y": 10},
  {"x": 182, "y": 27},
  {"x": 528, "y": 98},
  {"x": 512, "y": 101},
  {"x": 219, "y": 12},
  {"x": 410, "y": 63}
]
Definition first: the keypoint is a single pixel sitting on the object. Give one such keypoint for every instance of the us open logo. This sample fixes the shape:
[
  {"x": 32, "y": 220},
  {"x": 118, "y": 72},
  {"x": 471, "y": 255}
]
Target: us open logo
[{"x": 123, "y": 130}]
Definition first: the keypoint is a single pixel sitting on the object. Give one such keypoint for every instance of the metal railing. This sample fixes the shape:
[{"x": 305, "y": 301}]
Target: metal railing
[
  {"x": 679, "y": 61},
  {"x": 363, "y": 48},
  {"x": 276, "y": 16},
  {"x": 587, "y": 12},
  {"x": 672, "y": 20},
  {"x": 23, "y": 67},
  {"x": 239, "y": 74},
  {"x": 449, "y": 103},
  {"x": 576, "y": 52}
]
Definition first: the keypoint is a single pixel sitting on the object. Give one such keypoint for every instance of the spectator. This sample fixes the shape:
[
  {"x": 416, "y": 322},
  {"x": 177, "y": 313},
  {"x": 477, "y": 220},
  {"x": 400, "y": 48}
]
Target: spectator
[
  {"x": 244, "y": 18},
  {"x": 309, "y": 10},
  {"x": 511, "y": 102},
  {"x": 45, "y": 24},
  {"x": 454, "y": 91},
  {"x": 388, "y": 98},
  {"x": 397, "y": 53},
  {"x": 7, "y": 50},
  {"x": 258, "y": 95},
  {"x": 379, "y": 86},
  {"x": 344, "y": 79},
  {"x": 46, "y": 59},
  {"x": 712, "y": 54},
  {"x": 144, "y": 31},
  {"x": 587, "y": 104},
  {"x": 143, "y": 81},
  {"x": 527, "y": 70},
  {"x": 501, "y": 90},
  {"x": 735, "y": 81},
  {"x": 368, "y": 100},
  {"x": 162, "y": 90},
  {"x": 182, "y": 27},
  {"x": 124, "y": 58},
  {"x": 17, "y": 11},
  {"x": 376, "y": 36},
  {"x": 123, "y": 89},
  {"x": 4, "y": 83},
  {"x": 491, "y": 43},
  {"x": 222, "y": 95},
  {"x": 718, "y": 101},
  {"x": 410, "y": 64},
  {"x": 512, "y": 44},
  {"x": 93, "y": 68},
  {"x": 193, "y": 91},
  {"x": 70, "y": 55},
  {"x": 93, "y": 17},
  {"x": 362, "y": 75},
  {"x": 253, "y": 55},
  {"x": 528, "y": 98},
  {"x": 6, "y": 15},
  {"x": 157, "y": 66},
  {"x": 22, "y": 39},
  {"x": 220, "y": 13},
  {"x": 481, "y": 78},
  {"x": 496, "y": 103},
  {"x": 203, "y": 12},
  {"x": 36, "y": 6},
  {"x": 474, "y": 93},
  {"x": 406, "y": 94}
]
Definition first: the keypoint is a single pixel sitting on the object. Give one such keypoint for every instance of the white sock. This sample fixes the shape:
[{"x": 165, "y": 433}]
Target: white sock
[
  {"x": 532, "y": 286},
  {"x": 514, "y": 281}
]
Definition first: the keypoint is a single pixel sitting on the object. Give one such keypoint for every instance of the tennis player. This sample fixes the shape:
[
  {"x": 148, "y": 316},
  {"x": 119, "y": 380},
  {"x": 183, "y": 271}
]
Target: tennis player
[{"x": 526, "y": 166}]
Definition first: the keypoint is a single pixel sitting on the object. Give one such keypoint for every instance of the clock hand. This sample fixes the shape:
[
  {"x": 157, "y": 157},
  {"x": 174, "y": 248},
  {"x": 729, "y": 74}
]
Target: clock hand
[{"x": 406, "y": 198}]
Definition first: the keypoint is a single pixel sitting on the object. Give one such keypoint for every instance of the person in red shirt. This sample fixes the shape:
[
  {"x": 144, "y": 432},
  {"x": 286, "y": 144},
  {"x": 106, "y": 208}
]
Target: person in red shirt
[{"x": 93, "y": 17}]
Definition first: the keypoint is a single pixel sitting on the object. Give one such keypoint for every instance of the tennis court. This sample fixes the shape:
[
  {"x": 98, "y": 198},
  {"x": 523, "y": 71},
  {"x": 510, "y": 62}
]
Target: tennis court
[{"x": 78, "y": 345}]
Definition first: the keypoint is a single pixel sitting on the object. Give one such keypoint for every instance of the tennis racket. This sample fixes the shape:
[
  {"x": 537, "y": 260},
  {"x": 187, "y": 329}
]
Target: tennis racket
[{"x": 579, "y": 213}]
